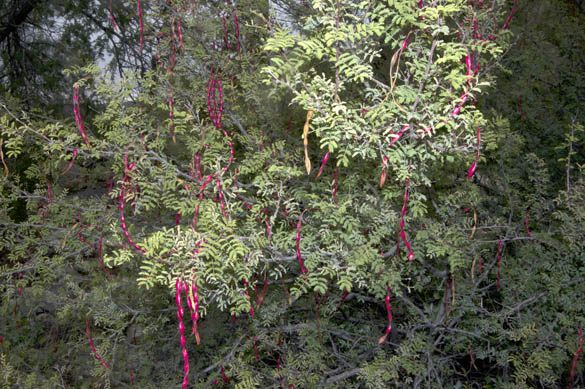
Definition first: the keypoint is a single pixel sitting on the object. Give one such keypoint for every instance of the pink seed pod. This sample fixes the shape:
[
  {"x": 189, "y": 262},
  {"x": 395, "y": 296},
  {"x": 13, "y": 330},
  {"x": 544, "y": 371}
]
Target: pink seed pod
[
  {"x": 78, "y": 118},
  {"x": 402, "y": 234},
  {"x": 303, "y": 270},
  {"x": 180, "y": 312},
  {"x": 389, "y": 310},
  {"x": 99, "y": 358},
  {"x": 114, "y": 26},
  {"x": 575, "y": 358},
  {"x": 221, "y": 199},
  {"x": 70, "y": 162},
  {"x": 261, "y": 298},
  {"x": 225, "y": 34},
  {"x": 325, "y": 158},
  {"x": 473, "y": 166},
  {"x": 141, "y": 25},
  {"x": 404, "y": 44},
  {"x": 248, "y": 297},
  {"x": 198, "y": 166},
  {"x": 505, "y": 26},
  {"x": 468, "y": 64},
  {"x": 237, "y": 29},
  {"x": 180, "y": 32},
  {"x": 398, "y": 135},
  {"x": 224, "y": 377}
]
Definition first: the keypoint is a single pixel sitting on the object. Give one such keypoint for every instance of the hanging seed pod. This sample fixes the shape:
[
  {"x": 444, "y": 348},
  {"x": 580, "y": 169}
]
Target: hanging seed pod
[
  {"x": 99, "y": 358},
  {"x": 141, "y": 25},
  {"x": 180, "y": 312},
  {"x": 389, "y": 310},
  {"x": 303, "y": 270},
  {"x": 576, "y": 358},
  {"x": 325, "y": 158},
  {"x": 306, "y": 141}
]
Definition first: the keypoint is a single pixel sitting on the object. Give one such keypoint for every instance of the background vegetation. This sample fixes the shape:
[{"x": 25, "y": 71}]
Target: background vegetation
[{"x": 292, "y": 194}]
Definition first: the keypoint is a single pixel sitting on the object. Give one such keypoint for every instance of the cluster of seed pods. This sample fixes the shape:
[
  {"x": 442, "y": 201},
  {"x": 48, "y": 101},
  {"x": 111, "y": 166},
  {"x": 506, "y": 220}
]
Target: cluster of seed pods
[
  {"x": 78, "y": 118},
  {"x": 180, "y": 312},
  {"x": 576, "y": 358},
  {"x": 389, "y": 310},
  {"x": 402, "y": 234},
  {"x": 97, "y": 355}
]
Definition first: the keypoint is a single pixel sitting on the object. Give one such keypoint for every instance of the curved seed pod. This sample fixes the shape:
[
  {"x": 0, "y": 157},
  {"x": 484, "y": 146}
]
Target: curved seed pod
[
  {"x": 325, "y": 158},
  {"x": 303, "y": 270},
  {"x": 389, "y": 309},
  {"x": 221, "y": 199},
  {"x": 306, "y": 141},
  {"x": 178, "y": 288},
  {"x": 574, "y": 364},
  {"x": 78, "y": 118},
  {"x": 68, "y": 166},
  {"x": 99, "y": 358}
]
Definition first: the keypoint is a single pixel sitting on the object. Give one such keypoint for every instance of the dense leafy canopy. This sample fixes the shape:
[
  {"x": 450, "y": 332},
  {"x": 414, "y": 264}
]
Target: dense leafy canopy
[{"x": 331, "y": 193}]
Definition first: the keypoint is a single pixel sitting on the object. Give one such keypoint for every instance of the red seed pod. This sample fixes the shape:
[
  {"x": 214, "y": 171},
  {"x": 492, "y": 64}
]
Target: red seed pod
[
  {"x": 325, "y": 158},
  {"x": 398, "y": 135},
  {"x": 224, "y": 377},
  {"x": 78, "y": 118},
  {"x": 141, "y": 25},
  {"x": 303, "y": 270},
  {"x": 404, "y": 44},
  {"x": 505, "y": 26},
  {"x": 70, "y": 162},
  {"x": 114, "y": 26},
  {"x": 221, "y": 199},
  {"x": 237, "y": 29},
  {"x": 99, "y": 358},
  {"x": 576, "y": 358},
  {"x": 389, "y": 309},
  {"x": 179, "y": 285}
]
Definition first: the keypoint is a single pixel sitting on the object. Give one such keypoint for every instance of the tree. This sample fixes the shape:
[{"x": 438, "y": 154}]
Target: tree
[{"x": 187, "y": 177}]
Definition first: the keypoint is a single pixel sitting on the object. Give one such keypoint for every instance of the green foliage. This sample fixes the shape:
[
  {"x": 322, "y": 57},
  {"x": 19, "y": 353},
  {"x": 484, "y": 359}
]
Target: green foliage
[{"x": 165, "y": 192}]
